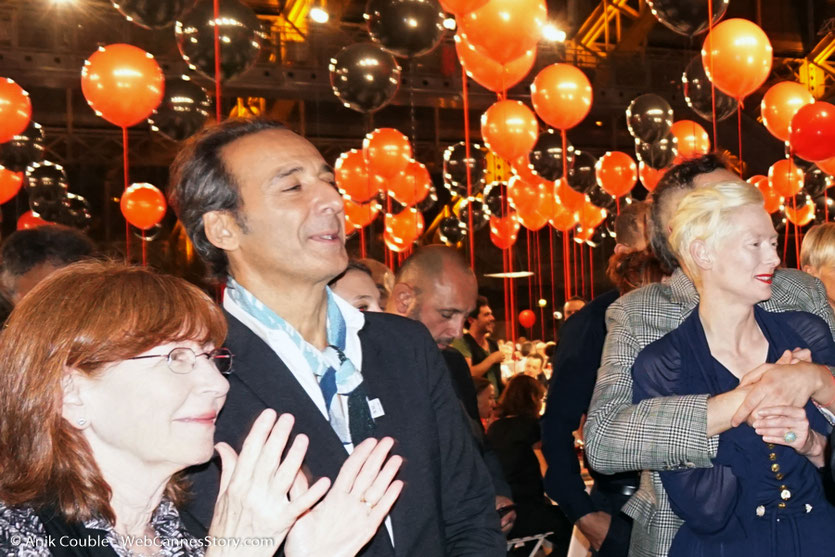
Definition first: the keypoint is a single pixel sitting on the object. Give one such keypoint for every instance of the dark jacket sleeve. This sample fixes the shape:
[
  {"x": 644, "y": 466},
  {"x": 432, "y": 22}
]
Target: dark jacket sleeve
[
  {"x": 705, "y": 498},
  {"x": 569, "y": 394},
  {"x": 471, "y": 524}
]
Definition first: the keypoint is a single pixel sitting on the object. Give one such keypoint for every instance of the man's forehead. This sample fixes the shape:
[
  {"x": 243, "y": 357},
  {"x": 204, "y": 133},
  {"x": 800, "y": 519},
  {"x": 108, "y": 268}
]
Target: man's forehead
[{"x": 282, "y": 145}]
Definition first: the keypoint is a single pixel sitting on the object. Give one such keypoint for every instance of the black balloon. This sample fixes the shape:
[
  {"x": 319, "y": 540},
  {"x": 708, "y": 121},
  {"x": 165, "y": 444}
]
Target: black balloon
[
  {"x": 698, "y": 91},
  {"x": 24, "y": 149},
  {"x": 456, "y": 164},
  {"x": 429, "y": 201},
  {"x": 658, "y": 154},
  {"x": 74, "y": 211},
  {"x": 364, "y": 77},
  {"x": 582, "y": 176},
  {"x": 649, "y": 117},
  {"x": 602, "y": 199},
  {"x": 546, "y": 157},
  {"x": 147, "y": 235},
  {"x": 152, "y": 14},
  {"x": 687, "y": 17},
  {"x": 495, "y": 199},
  {"x": 480, "y": 216},
  {"x": 452, "y": 230},
  {"x": 817, "y": 181},
  {"x": 405, "y": 27},
  {"x": 183, "y": 111},
  {"x": 46, "y": 184},
  {"x": 240, "y": 38}
]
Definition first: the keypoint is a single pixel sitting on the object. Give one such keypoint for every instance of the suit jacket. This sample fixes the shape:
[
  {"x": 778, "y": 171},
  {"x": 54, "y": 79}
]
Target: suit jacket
[
  {"x": 668, "y": 433},
  {"x": 447, "y": 505}
]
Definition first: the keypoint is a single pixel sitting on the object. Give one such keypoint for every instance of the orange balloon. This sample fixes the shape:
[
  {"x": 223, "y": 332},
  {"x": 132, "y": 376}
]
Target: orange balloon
[
  {"x": 786, "y": 177},
  {"x": 352, "y": 177},
  {"x": 386, "y": 152},
  {"x": 403, "y": 229},
  {"x": 30, "y": 219},
  {"x": 801, "y": 216},
  {"x": 780, "y": 103},
  {"x": 10, "y": 183},
  {"x": 527, "y": 318},
  {"x": 563, "y": 219},
  {"x": 570, "y": 199},
  {"x": 650, "y": 176},
  {"x": 15, "y": 109},
  {"x": 583, "y": 234},
  {"x": 590, "y": 216},
  {"x": 771, "y": 199},
  {"x": 561, "y": 95},
  {"x": 693, "y": 140},
  {"x": 350, "y": 227},
  {"x": 487, "y": 72},
  {"x": 361, "y": 214},
  {"x": 525, "y": 197},
  {"x": 509, "y": 129},
  {"x": 504, "y": 230},
  {"x": 412, "y": 185},
  {"x": 616, "y": 173},
  {"x": 122, "y": 83},
  {"x": 741, "y": 57},
  {"x": 504, "y": 29},
  {"x": 461, "y": 7},
  {"x": 827, "y": 166},
  {"x": 143, "y": 205}
]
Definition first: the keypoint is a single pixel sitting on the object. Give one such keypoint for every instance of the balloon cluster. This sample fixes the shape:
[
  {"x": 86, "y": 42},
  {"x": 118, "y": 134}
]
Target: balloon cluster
[{"x": 50, "y": 200}]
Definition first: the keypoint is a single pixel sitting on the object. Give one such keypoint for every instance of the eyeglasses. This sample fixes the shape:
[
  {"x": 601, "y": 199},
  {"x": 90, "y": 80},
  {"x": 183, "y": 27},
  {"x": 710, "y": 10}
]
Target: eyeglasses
[{"x": 183, "y": 359}]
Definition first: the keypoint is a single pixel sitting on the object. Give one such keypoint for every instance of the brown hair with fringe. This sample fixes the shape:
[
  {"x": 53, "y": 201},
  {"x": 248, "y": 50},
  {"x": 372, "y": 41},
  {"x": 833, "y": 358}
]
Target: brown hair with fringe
[
  {"x": 521, "y": 397},
  {"x": 82, "y": 317}
]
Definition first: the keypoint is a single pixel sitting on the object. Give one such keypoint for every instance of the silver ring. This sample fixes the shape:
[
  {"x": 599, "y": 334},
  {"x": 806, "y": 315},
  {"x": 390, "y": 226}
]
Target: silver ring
[{"x": 790, "y": 437}]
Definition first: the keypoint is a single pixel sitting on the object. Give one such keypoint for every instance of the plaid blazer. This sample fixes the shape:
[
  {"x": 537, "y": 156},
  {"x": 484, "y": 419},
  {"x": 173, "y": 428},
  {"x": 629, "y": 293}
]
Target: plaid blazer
[{"x": 667, "y": 433}]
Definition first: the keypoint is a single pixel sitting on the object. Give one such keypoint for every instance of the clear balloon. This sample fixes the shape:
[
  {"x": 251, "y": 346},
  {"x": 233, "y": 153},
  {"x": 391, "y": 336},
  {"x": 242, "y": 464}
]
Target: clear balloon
[
  {"x": 405, "y": 28},
  {"x": 241, "y": 36},
  {"x": 152, "y": 14},
  {"x": 456, "y": 164},
  {"x": 451, "y": 230},
  {"x": 649, "y": 118},
  {"x": 429, "y": 201},
  {"x": 687, "y": 17},
  {"x": 184, "y": 109},
  {"x": 601, "y": 198},
  {"x": 698, "y": 93},
  {"x": 546, "y": 156},
  {"x": 481, "y": 214},
  {"x": 496, "y": 199},
  {"x": 364, "y": 77},
  {"x": 659, "y": 154},
  {"x": 75, "y": 211},
  {"x": 582, "y": 175},
  {"x": 816, "y": 181},
  {"x": 23, "y": 149},
  {"x": 46, "y": 185}
]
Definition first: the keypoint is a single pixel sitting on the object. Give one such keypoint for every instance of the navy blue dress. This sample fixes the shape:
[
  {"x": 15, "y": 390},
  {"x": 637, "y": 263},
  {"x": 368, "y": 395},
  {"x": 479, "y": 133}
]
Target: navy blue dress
[{"x": 758, "y": 499}]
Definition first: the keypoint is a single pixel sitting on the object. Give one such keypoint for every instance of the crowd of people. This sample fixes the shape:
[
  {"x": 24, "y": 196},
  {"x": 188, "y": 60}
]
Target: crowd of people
[{"x": 334, "y": 407}]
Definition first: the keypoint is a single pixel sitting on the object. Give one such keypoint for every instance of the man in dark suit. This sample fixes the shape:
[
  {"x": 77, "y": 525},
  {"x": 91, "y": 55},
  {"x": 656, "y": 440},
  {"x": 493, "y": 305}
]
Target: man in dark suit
[{"x": 259, "y": 204}]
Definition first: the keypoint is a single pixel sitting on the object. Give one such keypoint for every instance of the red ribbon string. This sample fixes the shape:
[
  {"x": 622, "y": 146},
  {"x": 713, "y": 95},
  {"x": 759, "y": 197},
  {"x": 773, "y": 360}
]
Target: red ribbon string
[
  {"x": 796, "y": 235},
  {"x": 127, "y": 182},
  {"x": 583, "y": 269},
  {"x": 786, "y": 242},
  {"x": 539, "y": 274},
  {"x": 144, "y": 251},
  {"x": 576, "y": 289},
  {"x": 363, "y": 253},
  {"x": 591, "y": 273},
  {"x": 512, "y": 293},
  {"x": 466, "y": 100},
  {"x": 531, "y": 278},
  {"x": 553, "y": 286},
  {"x": 712, "y": 86},
  {"x": 739, "y": 131},
  {"x": 218, "y": 112}
]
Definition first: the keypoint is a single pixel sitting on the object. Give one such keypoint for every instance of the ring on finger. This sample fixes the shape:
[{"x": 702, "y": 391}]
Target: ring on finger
[{"x": 790, "y": 437}]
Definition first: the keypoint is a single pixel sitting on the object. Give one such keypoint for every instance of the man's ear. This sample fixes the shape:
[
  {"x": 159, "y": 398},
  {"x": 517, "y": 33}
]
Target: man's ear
[
  {"x": 222, "y": 230},
  {"x": 403, "y": 298},
  {"x": 701, "y": 254},
  {"x": 73, "y": 408}
]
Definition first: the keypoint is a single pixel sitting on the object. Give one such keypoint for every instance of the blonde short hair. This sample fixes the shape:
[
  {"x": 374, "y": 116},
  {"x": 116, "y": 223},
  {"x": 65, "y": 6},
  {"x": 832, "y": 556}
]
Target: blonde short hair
[
  {"x": 705, "y": 214},
  {"x": 818, "y": 247}
]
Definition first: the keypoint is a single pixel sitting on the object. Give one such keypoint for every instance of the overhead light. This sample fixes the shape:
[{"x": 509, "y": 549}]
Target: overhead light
[
  {"x": 449, "y": 23},
  {"x": 553, "y": 34},
  {"x": 558, "y": 315},
  {"x": 542, "y": 302},
  {"x": 318, "y": 13},
  {"x": 514, "y": 274}
]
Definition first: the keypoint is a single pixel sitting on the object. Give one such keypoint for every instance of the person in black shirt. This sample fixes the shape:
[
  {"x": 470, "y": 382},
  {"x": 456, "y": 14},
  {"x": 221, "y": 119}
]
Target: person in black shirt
[{"x": 482, "y": 352}]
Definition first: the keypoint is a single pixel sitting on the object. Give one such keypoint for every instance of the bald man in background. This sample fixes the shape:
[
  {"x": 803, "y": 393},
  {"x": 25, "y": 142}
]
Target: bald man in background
[{"x": 436, "y": 287}]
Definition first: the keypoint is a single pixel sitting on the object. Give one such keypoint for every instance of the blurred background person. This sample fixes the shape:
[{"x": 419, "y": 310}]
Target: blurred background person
[
  {"x": 572, "y": 306},
  {"x": 383, "y": 278},
  {"x": 817, "y": 256},
  {"x": 480, "y": 350},
  {"x": 356, "y": 286},
  {"x": 486, "y": 396}
]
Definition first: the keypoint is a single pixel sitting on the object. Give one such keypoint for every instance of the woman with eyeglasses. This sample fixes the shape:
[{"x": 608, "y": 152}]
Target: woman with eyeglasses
[{"x": 111, "y": 378}]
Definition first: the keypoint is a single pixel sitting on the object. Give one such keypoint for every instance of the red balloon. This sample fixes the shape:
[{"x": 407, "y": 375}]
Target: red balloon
[
  {"x": 350, "y": 227},
  {"x": 461, "y": 7},
  {"x": 570, "y": 199},
  {"x": 122, "y": 83},
  {"x": 525, "y": 197},
  {"x": 801, "y": 216},
  {"x": 504, "y": 29},
  {"x": 563, "y": 219},
  {"x": 650, "y": 176},
  {"x": 786, "y": 177},
  {"x": 741, "y": 57},
  {"x": 504, "y": 230},
  {"x": 527, "y": 318},
  {"x": 10, "y": 183},
  {"x": 561, "y": 95},
  {"x": 693, "y": 140},
  {"x": 780, "y": 103},
  {"x": 352, "y": 177},
  {"x": 361, "y": 214},
  {"x": 487, "y": 72},
  {"x": 143, "y": 205},
  {"x": 509, "y": 129},
  {"x": 812, "y": 132},
  {"x": 617, "y": 173},
  {"x": 412, "y": 185},
  {"x": 386, "y": 152},
  {"x": 30, "y": 219},
  {"x": 583, "y": 234},
  {"x": 827, "y": 166},
  {"x": 403, "y": 229},
  {"x": 15, "y": 109},
  {"x": 591, "y": 216},
  {"x": 524, "y": 170},
  {"x": 771, "y": 199}
]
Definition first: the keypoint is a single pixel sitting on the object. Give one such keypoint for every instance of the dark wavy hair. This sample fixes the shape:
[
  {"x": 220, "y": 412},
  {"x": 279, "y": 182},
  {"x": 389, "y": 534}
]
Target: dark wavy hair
[{"x": 521, "y": 397}]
